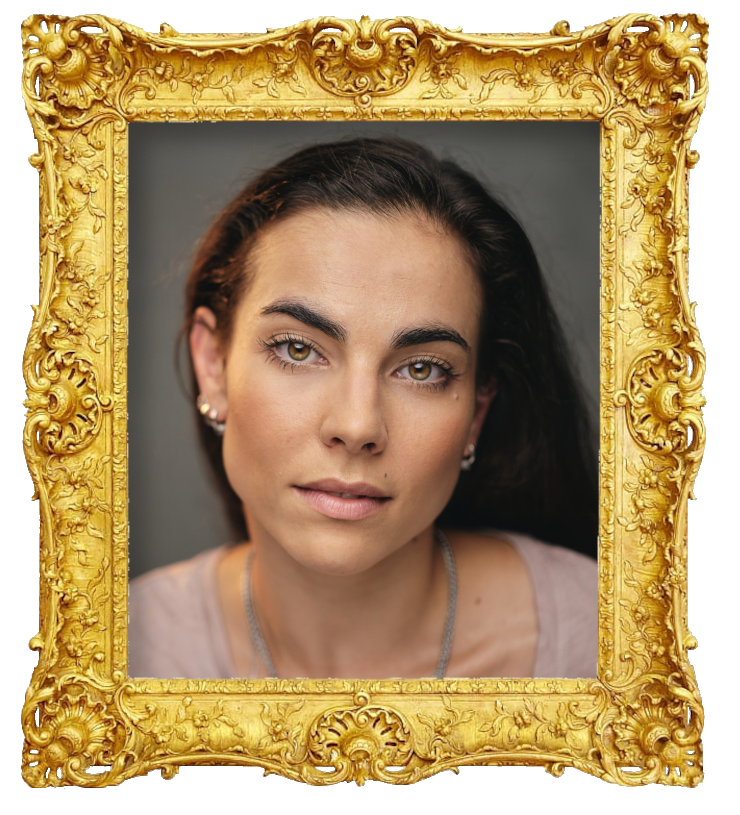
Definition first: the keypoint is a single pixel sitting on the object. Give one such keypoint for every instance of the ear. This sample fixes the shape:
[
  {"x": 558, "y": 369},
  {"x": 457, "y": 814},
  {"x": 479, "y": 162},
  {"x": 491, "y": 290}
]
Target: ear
[
  {"x": 483, "y": 398},
  {"x": 209, "y": 361}
]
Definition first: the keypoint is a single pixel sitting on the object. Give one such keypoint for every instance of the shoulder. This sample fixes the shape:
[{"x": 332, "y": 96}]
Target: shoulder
[
  {"x": 171, "y": 589},
  {"x": 551, "y": 567},
  {"x": 561, "y": 568},
  {"x": 496, "y": 625},
  {"x": 562, "y": 585},
  {"x": 174, "y": 620},
  {"x": 491, "y": 568},
  {"x": 566, "y": 589}
]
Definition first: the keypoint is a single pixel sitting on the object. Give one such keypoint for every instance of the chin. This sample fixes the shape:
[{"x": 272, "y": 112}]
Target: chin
[{"x": 341, "y": 554}]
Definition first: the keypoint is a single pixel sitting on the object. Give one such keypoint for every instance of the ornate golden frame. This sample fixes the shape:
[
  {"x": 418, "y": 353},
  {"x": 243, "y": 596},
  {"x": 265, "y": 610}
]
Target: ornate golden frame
[{"x": 85, "y": 721}]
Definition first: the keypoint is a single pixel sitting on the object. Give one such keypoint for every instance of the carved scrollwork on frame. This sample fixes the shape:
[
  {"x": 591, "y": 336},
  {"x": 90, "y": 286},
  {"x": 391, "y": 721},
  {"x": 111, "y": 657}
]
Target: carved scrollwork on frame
[
  {"x": 69, "y": 728},
  {"x": 664, "y": 401},
  {"x": 68, "y": 410},
  {"x": 643, "y": 78},
  {"x": 364, "y": 59},
  {"x": 361, "y": 742},
  {"x": 655, "y": 736},
  {"x": 654, "y": 66},
  {"x": 565, "y": 74},
  {"x": 70, "y": 67}
]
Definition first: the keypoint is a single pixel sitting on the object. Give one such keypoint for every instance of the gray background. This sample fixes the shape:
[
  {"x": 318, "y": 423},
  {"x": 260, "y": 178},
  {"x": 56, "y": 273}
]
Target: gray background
[{"x": 181, "y": 175}]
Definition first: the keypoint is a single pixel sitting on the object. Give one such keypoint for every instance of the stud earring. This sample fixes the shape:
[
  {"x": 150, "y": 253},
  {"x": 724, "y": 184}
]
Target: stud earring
[
  {"x": 468, "y": 460},
  {"x": 210, "y": 415}
]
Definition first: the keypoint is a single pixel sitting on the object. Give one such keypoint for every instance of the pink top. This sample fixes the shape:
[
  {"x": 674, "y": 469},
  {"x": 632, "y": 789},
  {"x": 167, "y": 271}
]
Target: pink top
[{"x": 176, "y": 629}]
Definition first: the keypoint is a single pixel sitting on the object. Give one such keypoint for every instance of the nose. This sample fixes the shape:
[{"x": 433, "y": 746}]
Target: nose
[{"x": 354, "y": 415}]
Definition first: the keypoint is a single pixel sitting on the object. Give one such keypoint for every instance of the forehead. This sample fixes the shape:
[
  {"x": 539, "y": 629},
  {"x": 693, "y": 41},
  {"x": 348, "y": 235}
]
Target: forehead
[{"x": 368, "y": 269}]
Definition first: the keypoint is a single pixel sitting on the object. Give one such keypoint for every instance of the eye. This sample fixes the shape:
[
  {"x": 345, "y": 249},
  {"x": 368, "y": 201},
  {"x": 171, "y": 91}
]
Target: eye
[
  {"x": 296, "y": 351},
  {"x": 422, "y": 371}
]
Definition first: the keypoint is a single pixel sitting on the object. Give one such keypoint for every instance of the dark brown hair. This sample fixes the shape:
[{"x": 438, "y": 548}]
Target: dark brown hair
[{"x": 535, "y": 469}]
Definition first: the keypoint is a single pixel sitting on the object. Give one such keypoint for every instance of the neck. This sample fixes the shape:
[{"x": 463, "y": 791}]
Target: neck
[{"x": 386, "y": 621}]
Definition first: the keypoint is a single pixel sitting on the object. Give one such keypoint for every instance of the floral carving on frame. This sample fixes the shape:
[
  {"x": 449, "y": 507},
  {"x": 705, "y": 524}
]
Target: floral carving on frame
[{"x": 643, "y": 78}]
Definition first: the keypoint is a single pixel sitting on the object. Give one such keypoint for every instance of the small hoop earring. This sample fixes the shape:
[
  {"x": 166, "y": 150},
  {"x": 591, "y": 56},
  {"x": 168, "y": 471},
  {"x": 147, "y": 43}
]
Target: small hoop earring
[
  {"x": 469, "y": 460},
  {"x": 210, "y": 415}
]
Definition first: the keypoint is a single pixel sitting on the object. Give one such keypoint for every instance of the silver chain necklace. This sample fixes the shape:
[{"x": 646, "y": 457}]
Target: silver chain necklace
[{"x": 258, "y": 640}]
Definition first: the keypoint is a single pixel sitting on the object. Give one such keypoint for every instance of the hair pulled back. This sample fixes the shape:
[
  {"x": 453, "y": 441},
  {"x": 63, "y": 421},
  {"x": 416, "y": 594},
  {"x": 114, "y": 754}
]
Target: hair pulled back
[{"x": 535, "y": 471}]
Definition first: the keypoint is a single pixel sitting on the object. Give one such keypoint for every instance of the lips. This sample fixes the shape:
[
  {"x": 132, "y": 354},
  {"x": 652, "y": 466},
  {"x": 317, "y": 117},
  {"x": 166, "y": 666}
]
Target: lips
[
  {"x": 354, "y": 489},
  {"x": 341, "y": 500}
]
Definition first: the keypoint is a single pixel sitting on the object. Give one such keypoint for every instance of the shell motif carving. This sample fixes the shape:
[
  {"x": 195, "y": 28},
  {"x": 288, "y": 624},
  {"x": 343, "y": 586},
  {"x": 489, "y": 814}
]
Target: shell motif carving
[
  {"x": 66, "y": 734},
  {"x": 664, "y": 401},
  {"x": 660, "y": 734},
  {"x": 364, "y": 59},
  {"x": 69, "y": 65},
  {"x": 68, "y": 410},
  {"x": 653, "y": 66},
  {"x": 361, "y": 742}
]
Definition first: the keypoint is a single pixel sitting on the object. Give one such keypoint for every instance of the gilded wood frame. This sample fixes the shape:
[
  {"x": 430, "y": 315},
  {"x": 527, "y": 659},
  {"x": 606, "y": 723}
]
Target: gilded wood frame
[{"x": 644, "y": 79}]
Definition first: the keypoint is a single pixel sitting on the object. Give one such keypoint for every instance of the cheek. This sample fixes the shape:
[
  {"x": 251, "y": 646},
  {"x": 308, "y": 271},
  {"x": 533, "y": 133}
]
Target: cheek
[
  {"x": 428, "y": 448},
  {"x": 265, "y": 428}
]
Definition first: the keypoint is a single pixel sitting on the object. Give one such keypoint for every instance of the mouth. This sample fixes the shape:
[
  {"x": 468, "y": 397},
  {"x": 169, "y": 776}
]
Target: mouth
[{"x": 343, "y": 501}]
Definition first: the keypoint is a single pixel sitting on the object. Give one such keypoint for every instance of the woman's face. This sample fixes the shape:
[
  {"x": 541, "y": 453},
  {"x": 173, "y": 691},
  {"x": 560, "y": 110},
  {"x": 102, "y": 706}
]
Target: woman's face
[{"x": 348, "y": 384}]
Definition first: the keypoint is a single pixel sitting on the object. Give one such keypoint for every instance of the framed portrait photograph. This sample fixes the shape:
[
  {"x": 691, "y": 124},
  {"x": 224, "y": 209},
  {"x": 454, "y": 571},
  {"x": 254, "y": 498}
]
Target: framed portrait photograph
[{"x": 364, "y": 399}]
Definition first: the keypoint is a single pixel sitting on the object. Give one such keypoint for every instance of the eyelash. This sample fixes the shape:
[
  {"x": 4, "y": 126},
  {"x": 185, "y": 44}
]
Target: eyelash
[{"x": 284, "y": 339}]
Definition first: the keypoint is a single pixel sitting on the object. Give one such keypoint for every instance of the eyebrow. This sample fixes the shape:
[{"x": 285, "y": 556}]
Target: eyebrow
[
  {"x": 427, "y": 333},
  {"x": 404, "y": 338},
  {"x": 309, "y": 316}
]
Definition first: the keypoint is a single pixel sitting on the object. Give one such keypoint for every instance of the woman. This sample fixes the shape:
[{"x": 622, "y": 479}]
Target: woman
[{"x": 382, "y": 386}]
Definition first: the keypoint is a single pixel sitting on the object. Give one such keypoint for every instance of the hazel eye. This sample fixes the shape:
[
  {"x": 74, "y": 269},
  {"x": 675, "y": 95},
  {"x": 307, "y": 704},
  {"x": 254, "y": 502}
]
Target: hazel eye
[
  {"x": 298, "y": 350},
  {"x": 422, "y": 371}
]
